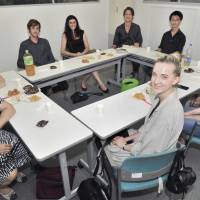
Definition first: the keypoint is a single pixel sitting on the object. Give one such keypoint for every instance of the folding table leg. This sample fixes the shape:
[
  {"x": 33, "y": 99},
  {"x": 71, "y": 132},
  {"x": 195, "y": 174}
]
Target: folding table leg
[{"x": 65, "y": 177}]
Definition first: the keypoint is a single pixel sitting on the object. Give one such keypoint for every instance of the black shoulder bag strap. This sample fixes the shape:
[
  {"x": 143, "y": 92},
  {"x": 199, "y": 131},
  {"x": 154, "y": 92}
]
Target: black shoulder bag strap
[{"x": 101, "y": 158}]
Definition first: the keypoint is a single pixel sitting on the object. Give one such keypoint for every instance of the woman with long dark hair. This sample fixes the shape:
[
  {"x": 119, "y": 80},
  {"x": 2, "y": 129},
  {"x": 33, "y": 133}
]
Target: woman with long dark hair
[{"x": 74, "y": 43}]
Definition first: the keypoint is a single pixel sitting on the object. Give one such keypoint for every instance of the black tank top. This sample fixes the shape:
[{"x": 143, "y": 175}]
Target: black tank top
[{"x": 76, "y": 45}]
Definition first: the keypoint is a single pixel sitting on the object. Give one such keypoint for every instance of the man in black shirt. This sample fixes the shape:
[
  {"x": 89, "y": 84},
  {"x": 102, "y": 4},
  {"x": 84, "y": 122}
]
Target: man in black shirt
[{"x": 174, "y": 39}]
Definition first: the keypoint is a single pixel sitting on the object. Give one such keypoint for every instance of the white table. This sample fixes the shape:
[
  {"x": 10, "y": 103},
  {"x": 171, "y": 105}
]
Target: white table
[
  {"x": 122, "y": 110},
  {"x": 62, "y": 132},
  {"x": 140, "y": 55},
  {"x": 74, "y": 67}
]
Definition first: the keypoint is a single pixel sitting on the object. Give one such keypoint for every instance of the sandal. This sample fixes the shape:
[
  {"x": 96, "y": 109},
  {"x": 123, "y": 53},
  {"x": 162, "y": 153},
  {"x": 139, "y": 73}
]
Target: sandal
[
  {"x": 83, "y": 86},
  {"x": 11, "y": 195},
  {"x": 21, "y": 177},
  {"x": 105, "y": 91}
]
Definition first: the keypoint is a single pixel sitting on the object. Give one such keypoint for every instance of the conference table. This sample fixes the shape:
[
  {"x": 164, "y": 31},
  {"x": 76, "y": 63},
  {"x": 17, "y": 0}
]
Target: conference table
[
  {"x": 61, "y": 133},
  {"x": 113, "y": 114},
  {"x": 46, "y": 75},
  {"x": 75, "y": 67},
  {"x": 142, "y": 56},
  {"x": 103, "y": 118}
]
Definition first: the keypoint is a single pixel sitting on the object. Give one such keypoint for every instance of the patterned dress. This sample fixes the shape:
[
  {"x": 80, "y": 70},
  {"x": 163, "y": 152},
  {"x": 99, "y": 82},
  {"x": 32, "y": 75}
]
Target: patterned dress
[{"x": 16, "y": 158}]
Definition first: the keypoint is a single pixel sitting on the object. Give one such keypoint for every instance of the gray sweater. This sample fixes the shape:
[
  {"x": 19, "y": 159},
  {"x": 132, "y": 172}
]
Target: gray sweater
[{"x": 160, "y": 132}]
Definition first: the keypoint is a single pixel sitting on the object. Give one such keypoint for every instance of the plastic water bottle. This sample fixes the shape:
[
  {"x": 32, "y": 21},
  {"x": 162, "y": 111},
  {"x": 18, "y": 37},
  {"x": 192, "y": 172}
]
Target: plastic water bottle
[
  {"x": 188, "y": 56},
  {"x": 29, "y": 65}
]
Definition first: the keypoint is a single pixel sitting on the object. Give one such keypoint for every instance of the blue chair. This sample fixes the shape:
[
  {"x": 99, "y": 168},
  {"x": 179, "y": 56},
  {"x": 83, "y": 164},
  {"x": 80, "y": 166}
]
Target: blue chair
[
  {"x": 195, "y": 140},
  {"x": 143, "y": 172}
]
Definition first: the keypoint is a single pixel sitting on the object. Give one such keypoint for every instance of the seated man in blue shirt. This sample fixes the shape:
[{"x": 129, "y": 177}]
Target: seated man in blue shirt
[
  {"x": 174, "y": 39},
  {"x": 39, "y": 48}
]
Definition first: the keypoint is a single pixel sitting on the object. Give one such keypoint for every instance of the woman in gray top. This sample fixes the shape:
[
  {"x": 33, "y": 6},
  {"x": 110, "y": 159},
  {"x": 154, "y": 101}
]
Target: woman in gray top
[{"x": 164, "y": 122}]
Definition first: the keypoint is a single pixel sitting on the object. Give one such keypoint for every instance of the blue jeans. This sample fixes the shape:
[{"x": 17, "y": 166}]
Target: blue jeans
[{"x": 189, "y": 123}]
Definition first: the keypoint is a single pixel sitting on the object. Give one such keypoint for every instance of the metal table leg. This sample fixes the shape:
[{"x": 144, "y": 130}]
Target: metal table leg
[
  {"x": 91, "y": 155},
  {"x": 124, "y": 62},
  {"x": 117, "y": 82},
  {"x": 65, "y": 177}
]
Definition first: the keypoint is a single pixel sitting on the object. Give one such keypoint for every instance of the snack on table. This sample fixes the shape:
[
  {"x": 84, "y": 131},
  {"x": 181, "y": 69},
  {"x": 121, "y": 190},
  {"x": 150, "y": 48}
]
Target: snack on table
[
  {"x": 34, "y": 98},
  {"x": 139, "y": 96},
  {"x": 13, "y": 92},
  {"x": 53, "y": 67},
  {"x": 189, "y": 70},
  {"x": 90, "y": 57},
  {"x": 109, "y": 54},
  {"x": 31, "y": 90},
  {"x": 85, "y": 60},
  {"x": 42, "y": 123},
  {"x": 27, "y": 87}
]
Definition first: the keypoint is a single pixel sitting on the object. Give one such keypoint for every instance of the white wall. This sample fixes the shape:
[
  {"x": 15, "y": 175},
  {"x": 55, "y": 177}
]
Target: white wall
[
  {"x": 13, "y": 19},
  {"x": 153, "y": 20}
]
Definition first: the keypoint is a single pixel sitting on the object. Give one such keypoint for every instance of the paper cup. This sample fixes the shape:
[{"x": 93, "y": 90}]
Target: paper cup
[
  {"x": 49, "y": 107},
  {"x": 148, "y": 49},
  {"x": 100, "y": 108},
  {"x": 98, "y": 52},
  {"x": 18, "y": 83},
  {"x": 61, "y": 62}
]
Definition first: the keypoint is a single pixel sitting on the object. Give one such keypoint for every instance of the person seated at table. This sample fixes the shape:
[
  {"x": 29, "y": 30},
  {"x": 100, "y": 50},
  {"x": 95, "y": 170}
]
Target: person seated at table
[
  {"x": 192, "y": 115},
  {"x": 174, "y": 39},
  {"x": 13, "y": 154},
  {"x": 74, "y": 43},
  {"x": 164, "y": 121},
  {"x": 128, "y": 33},
  {"x": 40, "y": 50}
]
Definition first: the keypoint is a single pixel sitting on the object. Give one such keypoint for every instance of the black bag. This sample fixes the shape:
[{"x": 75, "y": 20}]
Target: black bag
[
  {"x": 181, "y": 177},
  {"x": 63, "y": 85},
  {"x": 79, "y": 96},
  {"x": 49, "y": 183},
  {"x": 82, "y": 96},
  {"x": 92, "y": 189}
]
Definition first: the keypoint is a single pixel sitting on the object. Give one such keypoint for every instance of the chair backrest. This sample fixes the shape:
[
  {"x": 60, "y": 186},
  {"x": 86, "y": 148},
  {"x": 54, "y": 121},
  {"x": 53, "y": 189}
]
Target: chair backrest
[{"x": 147, "y": 167}]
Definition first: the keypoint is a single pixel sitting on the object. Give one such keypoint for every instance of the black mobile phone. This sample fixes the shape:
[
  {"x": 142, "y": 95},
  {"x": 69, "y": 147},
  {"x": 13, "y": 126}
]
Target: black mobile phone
[{"x": 183, "y": 87}]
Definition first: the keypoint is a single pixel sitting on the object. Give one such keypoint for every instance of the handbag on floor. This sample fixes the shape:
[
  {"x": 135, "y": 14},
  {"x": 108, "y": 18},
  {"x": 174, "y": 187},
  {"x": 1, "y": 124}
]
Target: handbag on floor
[
  {"x": 82, "y": 96},
  {"x": 180, "y": 177},
  {"x": 92, "y": 188},
  {"x": 49, "y": 182}
]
